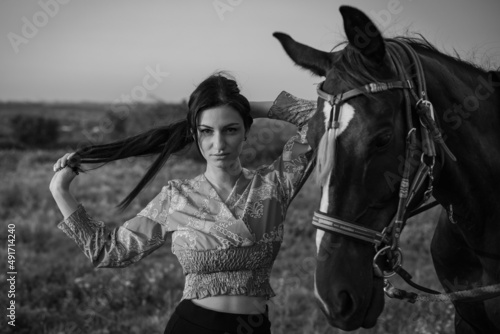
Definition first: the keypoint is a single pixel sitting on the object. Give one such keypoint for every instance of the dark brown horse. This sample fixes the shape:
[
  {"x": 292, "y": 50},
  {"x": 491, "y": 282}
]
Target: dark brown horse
[{"x": 361, "y": 178}]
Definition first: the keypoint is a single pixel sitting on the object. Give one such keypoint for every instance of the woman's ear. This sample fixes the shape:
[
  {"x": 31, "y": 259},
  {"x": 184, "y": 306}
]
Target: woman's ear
[{"x": 192, "y": 134}]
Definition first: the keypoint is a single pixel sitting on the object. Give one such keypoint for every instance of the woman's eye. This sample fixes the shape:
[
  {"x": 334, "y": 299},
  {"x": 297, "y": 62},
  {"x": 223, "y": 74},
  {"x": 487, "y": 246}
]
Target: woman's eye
[
  {"x": 383, "y": 140},
  {"x": 231, "y": 130},
  {"x": 205, "y": 131}
]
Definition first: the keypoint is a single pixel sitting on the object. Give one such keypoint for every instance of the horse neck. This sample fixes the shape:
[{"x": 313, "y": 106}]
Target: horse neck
[{"x": 467, "y": 105}]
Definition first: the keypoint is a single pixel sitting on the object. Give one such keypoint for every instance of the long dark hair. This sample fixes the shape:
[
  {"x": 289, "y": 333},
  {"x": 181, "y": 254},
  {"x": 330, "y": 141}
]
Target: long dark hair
[{"x": 217, "y": 90}]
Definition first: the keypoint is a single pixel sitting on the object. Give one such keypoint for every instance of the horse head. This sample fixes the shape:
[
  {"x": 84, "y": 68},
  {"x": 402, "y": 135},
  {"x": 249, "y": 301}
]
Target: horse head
[{"x": 357, "y": 171}]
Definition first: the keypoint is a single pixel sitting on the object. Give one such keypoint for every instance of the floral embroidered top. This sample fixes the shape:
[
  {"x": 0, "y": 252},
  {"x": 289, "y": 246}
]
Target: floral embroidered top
[{"x": 225, "y": 247}]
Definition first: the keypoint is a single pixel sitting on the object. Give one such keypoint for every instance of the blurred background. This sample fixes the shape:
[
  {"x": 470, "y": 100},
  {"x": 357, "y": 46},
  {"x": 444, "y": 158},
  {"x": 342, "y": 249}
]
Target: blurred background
[{"x": 79, "y": 72}]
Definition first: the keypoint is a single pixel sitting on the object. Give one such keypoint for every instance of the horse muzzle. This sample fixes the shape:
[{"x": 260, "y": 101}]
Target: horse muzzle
[{"x": 350, "y": 310}]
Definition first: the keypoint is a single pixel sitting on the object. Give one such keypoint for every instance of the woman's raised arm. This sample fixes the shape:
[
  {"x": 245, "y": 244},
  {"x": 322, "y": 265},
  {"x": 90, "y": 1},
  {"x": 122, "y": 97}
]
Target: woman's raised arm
[
  {"x": 297, "y": 153},
  {"x": 60, "y": 183},
  {"x": 107, "y": 247}
]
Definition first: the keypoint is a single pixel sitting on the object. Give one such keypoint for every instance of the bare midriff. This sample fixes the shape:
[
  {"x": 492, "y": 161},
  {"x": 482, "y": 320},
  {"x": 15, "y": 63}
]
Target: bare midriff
[{"x": 233, "y": 304}]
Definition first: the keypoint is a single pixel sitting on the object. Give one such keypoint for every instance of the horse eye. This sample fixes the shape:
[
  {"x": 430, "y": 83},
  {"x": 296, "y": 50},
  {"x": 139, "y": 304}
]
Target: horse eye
[{"x": 383, "y": 140}]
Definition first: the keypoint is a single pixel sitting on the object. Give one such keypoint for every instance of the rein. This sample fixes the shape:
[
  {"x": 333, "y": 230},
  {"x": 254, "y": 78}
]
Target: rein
[{"x": 386, "y": 242}]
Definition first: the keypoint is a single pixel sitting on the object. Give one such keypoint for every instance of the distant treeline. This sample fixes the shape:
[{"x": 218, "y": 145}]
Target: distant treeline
[
  {"x": 57, "y": 125},
  {"x": 49, "y": 126}
]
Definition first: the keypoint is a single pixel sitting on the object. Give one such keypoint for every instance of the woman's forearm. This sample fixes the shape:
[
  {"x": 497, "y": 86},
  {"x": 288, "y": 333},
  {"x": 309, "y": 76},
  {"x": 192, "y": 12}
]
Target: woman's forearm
[
  {"x": 260, "y": 109},
  {"x": 65, "y": 201}
]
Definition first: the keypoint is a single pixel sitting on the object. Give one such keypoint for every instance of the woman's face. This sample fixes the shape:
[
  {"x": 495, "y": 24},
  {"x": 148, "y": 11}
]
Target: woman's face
[{"x": 221, "y": 133}]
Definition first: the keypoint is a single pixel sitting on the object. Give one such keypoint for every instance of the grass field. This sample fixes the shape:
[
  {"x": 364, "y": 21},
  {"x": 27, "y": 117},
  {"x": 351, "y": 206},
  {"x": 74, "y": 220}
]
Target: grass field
[{"x": 59, "y": 291}]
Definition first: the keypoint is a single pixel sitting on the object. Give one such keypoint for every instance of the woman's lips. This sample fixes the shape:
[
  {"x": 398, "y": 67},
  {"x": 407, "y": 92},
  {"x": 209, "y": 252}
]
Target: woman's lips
[{"x": 220, "y": 156}]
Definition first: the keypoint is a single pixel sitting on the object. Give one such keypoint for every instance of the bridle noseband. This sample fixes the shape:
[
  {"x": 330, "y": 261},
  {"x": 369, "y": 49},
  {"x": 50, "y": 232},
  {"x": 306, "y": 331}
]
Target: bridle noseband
[{"x": 387, "y": 241}]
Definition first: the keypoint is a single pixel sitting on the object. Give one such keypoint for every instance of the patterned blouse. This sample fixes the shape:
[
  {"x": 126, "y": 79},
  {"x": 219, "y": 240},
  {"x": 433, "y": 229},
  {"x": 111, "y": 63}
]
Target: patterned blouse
[{"x": 225, "y": 247}]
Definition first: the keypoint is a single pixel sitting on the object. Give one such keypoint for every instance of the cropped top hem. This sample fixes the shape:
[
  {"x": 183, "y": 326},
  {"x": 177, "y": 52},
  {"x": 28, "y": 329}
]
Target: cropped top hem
[{"x": 252, "y": 283}]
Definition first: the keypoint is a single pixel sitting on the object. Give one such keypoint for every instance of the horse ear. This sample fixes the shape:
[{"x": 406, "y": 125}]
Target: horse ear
[
  {"x": 316, "y": 61},
  {"x": 363, "y": 34}
]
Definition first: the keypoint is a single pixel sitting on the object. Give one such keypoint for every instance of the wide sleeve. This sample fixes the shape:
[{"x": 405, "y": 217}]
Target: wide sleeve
[
  {"x": 123, "y": 245},
  {"x": 291, "y": 165}
]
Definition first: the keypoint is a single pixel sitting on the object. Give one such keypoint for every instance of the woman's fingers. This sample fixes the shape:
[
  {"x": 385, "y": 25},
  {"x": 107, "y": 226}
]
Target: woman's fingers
[
  {"x": 63, "y": 161},
  {"x": 63, "y": 176},
  {"x": 57, "y": 165},
  {"x": 73, "y": 160}
]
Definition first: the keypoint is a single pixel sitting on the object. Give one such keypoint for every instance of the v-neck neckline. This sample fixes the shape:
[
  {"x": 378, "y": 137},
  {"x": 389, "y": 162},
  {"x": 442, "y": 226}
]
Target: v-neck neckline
[{"x": 230, "y": 193}]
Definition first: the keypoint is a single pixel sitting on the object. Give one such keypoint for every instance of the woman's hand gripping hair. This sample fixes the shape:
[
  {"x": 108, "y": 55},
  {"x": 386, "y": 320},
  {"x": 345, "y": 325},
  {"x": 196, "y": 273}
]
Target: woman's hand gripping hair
[{"x": 65, "y": 168}]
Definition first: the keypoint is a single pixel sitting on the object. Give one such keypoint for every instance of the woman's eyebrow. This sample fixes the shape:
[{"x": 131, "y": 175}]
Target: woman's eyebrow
[{"x": 225, "y": 126}]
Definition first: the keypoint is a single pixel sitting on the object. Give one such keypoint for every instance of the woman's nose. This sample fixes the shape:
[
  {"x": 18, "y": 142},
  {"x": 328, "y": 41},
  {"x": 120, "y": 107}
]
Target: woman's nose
[{"x": 219, "y": 142}]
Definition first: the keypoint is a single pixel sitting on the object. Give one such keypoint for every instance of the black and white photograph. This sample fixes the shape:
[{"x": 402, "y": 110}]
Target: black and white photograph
[{"x": 250, "y": 167}]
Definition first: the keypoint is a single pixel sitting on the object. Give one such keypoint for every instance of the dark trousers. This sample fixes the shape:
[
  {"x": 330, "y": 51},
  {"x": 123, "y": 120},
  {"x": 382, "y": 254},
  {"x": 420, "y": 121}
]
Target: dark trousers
[{"x": 189, "y": 318}]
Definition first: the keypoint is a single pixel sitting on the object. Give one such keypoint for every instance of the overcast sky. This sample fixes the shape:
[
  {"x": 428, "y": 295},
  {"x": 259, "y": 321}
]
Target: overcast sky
[{"x": 97, "y": 50}]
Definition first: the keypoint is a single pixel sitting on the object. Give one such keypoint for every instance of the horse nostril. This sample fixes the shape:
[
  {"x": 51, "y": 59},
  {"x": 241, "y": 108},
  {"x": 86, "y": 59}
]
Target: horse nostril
[{"x": 346, "y": 303}]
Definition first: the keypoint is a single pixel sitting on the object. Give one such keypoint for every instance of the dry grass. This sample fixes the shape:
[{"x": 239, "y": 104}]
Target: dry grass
[{"x": 59, "y": 291}]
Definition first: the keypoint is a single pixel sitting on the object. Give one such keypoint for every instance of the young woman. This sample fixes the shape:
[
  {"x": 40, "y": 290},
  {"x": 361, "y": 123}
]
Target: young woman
[{"x": 226, "y": 224}]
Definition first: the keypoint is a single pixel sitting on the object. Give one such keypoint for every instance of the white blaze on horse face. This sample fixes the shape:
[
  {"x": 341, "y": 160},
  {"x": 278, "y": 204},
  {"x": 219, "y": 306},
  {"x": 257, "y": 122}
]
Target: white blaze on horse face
[
  {"x": 323, "y": 207},
  {"x": 346, "y": 115},
  {"x": 319, "y": 237}
]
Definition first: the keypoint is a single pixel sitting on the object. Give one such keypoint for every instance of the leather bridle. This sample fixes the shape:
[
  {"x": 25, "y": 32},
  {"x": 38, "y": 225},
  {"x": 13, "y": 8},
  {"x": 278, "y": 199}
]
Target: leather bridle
[{"x": 386, "y": 242}]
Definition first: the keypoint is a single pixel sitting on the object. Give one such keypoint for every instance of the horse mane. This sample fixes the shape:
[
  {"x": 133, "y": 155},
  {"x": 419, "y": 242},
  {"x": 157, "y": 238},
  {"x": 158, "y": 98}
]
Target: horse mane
[
  {"x": 353, "y": 71},
  {"x": 421, "y": 43}
]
